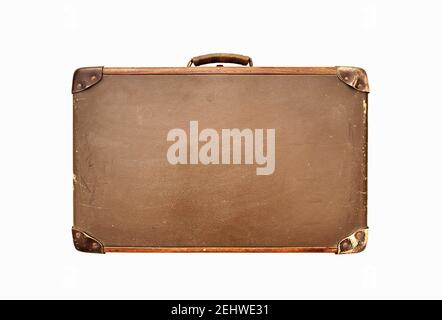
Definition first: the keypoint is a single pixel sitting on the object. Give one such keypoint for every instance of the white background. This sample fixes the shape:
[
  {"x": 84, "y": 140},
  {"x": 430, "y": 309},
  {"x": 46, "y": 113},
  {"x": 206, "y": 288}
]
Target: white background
[{"x": 398, "y": 43}]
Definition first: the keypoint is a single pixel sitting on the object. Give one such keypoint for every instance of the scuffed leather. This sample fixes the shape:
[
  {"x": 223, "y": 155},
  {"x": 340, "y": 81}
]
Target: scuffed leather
[
  {"x": 354, "y": 77},
  {"x": 221, "y": 57},
  {"x": 85, "y": 78},
  {"x": 128, "y": 195}
]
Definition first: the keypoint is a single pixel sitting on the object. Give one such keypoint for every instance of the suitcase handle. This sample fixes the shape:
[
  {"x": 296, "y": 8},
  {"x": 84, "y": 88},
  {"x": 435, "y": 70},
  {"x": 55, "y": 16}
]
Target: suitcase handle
[{"x": 220, "y": 57}]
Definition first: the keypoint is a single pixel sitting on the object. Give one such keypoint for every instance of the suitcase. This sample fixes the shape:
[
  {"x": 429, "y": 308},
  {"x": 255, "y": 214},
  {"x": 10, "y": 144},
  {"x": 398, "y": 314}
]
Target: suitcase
[{"x": 220, "y": 158}]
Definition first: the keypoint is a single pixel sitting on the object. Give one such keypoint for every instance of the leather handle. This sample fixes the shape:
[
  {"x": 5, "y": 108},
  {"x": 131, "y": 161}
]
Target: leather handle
[{"x": 220, "y": 57}]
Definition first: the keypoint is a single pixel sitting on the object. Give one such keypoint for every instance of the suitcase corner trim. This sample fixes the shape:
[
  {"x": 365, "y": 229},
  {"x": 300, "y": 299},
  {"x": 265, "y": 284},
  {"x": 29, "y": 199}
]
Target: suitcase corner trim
[
  {"x": 354, "y": 77},
  {"x": 84, "y": 78},
  {"x": 84, "y": 242},
  {"x": 354, "y": 243}
]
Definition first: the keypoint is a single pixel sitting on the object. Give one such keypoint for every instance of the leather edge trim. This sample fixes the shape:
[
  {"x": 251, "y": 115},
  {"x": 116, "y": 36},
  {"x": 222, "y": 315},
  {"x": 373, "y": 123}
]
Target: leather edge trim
[
  {"x": 354, "y": 77},
  {"x": 354, "y": 243},
  {"x": 221, "y": 70},
  {"x": 85, "y": 242},
  {"x": 219, "y": 249},
  {"x": 84, "y": 78}
]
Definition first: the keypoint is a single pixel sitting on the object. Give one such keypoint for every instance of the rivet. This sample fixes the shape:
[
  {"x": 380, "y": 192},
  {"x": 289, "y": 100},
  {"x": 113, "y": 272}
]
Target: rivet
[
  {"x": 359, "y": 85},
  {"x": 78, "y": 235},
  {"x": 94, "y": 245},
  {"x": 346, "y": 78},
  {"x": 360, "y": 235},
  {"x": 93, "y": 78},
  {"x": 346, "y": 245},
  {"x": 79, "y": 86}
]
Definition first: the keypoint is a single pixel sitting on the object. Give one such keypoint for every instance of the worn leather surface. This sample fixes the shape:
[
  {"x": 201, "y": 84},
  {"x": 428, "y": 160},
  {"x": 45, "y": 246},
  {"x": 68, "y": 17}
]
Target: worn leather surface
[
  {"x": 84, "y": 242},
  {"x": 84, "y": 78},
  {"x": 221, "y": 57},
  {"x": 127, "y": 194},
  {"x": 354, "y": 77}
]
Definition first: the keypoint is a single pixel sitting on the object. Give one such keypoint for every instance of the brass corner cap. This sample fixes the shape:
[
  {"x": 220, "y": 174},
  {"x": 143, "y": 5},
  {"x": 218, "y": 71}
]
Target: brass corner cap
[
  {"x": 354, "y": 77},
  {"x": 85, "y": 78},
  {"x": 85, "y": 242},
  {"x": 354, "y": 243}
]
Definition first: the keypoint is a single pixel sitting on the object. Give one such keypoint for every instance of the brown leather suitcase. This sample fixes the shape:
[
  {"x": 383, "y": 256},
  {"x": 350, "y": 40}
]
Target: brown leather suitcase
[{"x": 220, "y": 158}]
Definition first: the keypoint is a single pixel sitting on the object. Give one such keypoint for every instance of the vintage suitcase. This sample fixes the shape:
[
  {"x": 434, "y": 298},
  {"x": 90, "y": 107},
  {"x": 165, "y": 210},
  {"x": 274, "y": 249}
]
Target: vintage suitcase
[{"x": 220, "y": 158}]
